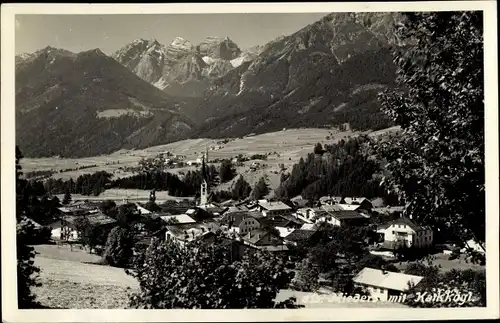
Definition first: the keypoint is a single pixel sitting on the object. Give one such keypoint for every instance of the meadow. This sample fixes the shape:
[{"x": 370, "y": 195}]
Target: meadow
[{"x": 283, "y": 147}]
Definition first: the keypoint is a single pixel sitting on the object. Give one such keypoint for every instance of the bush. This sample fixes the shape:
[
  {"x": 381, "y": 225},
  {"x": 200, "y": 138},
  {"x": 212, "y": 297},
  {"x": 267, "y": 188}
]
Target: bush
[
  {"x": 203, "y": 276},
  {"x": 119, "y": 247}
]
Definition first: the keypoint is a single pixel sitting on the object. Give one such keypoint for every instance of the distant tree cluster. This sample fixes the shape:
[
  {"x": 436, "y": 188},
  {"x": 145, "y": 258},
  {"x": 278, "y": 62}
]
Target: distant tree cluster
[
  {"x": 86, "y": 184},
  {"x": 346, "y": 170}
]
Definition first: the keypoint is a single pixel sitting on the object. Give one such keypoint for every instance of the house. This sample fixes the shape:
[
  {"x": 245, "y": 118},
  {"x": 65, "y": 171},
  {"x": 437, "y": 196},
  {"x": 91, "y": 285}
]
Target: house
[
  {"x": 188, "y": 232},
  {"x": 281, "y": 221},
  {"x": 300, "y": 235},
  {"x": 342, "y": 218},
  {"x": 78, "y": 209},
  {"x": 404, "y": 231},
  {"x": 363, "y": 202},
  {"x": 177, "y": 219},
  {"x": 385, "y": 285},
  {"x": 67, "y": 228},
  {"x": 331, "y": 200},
  {"x": 273, "y": 208},
  {"x": 240, "y": 222},
  {"x": 260, "y": 237}
]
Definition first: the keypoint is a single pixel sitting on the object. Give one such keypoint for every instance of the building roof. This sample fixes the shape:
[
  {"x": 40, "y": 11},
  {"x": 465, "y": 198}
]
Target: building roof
[
  {"x": 300, "y": 235},
  {"x": 142, "y": 210},
  {"x": 181, "y": 218},
  {"x": 328, "y": 208},
  {"x": 355, "y": 200},
  {"x": 335, "y": 199},
  {"x": 407, "y": 221},
  {"x": 95, "y": 218},
  {"x": 274, "y": 206},
  {"x": 284, "y": 231},
  {"x": 255, "y": 236},
  {"x": 190, "y": 231},
  {"x": 279, "y": 222},
  {"x": 387, "y": 279},
  {"x": 349, "y": 207},
  {"x": 344, "y": 215},
  {"x": 308, "y": 226}
]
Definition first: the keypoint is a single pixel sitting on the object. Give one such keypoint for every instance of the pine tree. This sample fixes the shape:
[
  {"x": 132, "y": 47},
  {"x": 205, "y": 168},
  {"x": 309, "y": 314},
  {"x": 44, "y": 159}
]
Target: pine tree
[
  {"x": 67, "y": 198},
  {"x": 241, "y": 189},
  {"x": 260, "y": 189}
]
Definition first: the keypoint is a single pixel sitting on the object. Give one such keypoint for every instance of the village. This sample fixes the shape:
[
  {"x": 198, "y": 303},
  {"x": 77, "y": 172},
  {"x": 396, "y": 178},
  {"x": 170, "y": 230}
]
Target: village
[{"x": 268, "y": 225}]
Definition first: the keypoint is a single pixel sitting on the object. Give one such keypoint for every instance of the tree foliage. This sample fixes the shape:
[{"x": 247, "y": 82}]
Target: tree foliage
[
  {"x": 260, "y": 189},
  {"x": 437, "y": 164},
  {"x": 67, "y": 197},
  {"x": 241, "y": 189},
  {"x": 119, "y": 247},
  {"x": 462, "y": 282},
  {"x": 27, "y": 272},
  {"x": 203, "y": 276},
  {"x": 226, "y": 171},
  {"x": 345, "y": 169}
]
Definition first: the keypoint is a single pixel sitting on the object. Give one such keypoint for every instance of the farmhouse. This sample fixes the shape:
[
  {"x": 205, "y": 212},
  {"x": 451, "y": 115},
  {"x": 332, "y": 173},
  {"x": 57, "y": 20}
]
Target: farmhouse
[
  {"x": 241, "y": 222},
  {"x": 259, "y": 238},
  {"x": 404, "y": 231},
  {"x": 78, "y": 209},
  {"x": 363, "y": 202},
  {"x": 67, "y": 228},
  {"x": 186, "y": 233},
  {"x": 331, "y": 200},
  {"x": 385, "y": 285},
  {"x": 273, "y": 208},
  {"x": 300, "y": 235},
  {"x": 341, "y": 218}
]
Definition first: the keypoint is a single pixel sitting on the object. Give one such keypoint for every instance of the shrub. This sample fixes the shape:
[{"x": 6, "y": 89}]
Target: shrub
[{"x": 203, "y": 276}]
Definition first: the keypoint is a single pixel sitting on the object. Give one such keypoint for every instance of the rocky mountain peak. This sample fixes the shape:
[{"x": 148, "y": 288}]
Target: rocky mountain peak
[
  {"x": 181, "y": 43},
  {"x": 219, "y": 47}
]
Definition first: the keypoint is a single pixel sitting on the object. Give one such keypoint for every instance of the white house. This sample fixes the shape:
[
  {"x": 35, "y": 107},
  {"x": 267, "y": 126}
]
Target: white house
[
  {"x": 339, "y": 218},
  {"x": 241, "y": 222},
  {"x": 385, "y": 285},
  {"x": 274, "y": 208},
  {"x": 404, "y": 230}
]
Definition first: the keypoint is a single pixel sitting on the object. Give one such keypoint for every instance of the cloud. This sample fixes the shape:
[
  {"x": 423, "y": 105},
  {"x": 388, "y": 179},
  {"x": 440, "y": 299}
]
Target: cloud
[{"x": 18, "y": 24}]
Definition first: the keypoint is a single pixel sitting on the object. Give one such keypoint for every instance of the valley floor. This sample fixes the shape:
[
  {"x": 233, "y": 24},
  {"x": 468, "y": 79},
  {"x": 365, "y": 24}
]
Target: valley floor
[{"x": 285, "y": 147}]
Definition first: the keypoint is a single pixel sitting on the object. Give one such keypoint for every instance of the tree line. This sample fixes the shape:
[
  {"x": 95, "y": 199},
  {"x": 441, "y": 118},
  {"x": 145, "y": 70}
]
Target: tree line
[{"x": 338, "y": 169}]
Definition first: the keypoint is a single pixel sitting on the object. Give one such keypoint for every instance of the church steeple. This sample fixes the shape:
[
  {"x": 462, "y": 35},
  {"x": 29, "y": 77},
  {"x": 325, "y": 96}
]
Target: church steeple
[{"x": 204, "y": 181}]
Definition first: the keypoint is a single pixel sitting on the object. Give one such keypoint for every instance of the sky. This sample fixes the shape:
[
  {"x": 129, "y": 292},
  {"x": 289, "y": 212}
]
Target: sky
[{"x": 111, "y": 32}]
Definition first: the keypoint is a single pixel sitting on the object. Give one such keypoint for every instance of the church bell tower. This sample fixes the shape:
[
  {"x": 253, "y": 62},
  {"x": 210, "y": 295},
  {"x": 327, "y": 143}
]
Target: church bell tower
[{"x": 204, "y": 181}]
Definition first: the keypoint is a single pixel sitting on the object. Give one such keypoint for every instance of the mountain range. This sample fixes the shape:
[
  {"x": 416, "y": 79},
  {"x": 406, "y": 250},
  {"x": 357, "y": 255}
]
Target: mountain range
[{"x": 84, "y": 104}]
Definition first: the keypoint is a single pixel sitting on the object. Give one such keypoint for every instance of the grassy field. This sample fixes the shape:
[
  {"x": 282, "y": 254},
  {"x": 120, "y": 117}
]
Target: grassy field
[
  {"x": 290, "y": 145},
  {"x": 446, "y": 264},
  {"x": 118, "y": 195},
  {"x": 68, "y": 282}
]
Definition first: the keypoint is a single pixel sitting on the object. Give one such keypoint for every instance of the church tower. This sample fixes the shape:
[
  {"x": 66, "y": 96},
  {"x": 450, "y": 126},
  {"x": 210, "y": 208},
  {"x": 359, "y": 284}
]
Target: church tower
[{"x": 204, "y": 181}]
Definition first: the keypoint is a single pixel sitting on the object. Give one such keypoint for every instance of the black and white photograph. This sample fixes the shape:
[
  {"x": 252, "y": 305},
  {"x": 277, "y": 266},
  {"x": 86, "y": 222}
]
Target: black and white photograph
[{"x": 309, "y": 160}]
